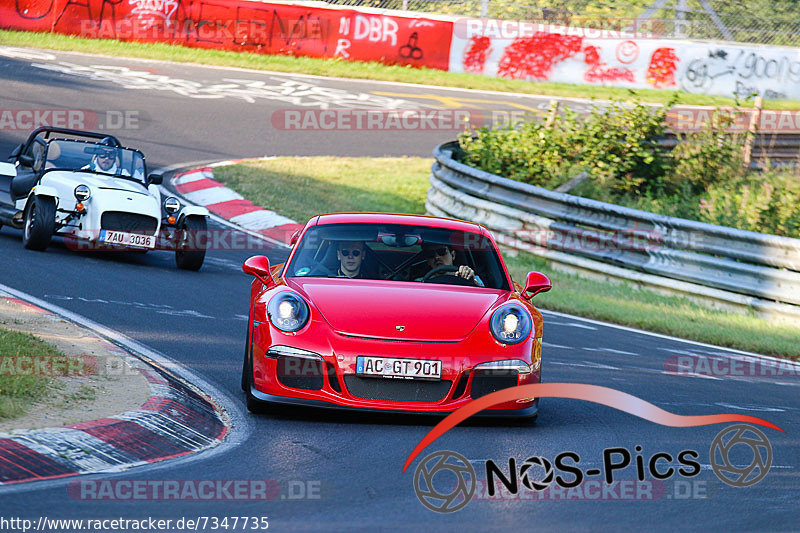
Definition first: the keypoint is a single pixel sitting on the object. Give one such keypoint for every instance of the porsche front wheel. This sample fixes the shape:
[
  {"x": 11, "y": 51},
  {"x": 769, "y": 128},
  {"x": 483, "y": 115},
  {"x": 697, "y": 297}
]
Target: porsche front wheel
[
  {"x": 40, "y": 223},
  {"x": 190, "y": 250}
]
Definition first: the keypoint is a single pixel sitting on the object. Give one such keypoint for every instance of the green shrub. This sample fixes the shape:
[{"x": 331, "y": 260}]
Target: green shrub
[
  {"x": 711, "y": 155},
  {"x": 704, "y": 178},
  {"x": 766, "y": 203},
  {"x": 617, "y": 145},
  {"x": 528, "y": 152}
]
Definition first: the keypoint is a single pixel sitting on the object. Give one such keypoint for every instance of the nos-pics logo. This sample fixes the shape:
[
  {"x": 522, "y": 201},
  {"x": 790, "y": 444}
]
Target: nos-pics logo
[{"x": 445, "y": 481}]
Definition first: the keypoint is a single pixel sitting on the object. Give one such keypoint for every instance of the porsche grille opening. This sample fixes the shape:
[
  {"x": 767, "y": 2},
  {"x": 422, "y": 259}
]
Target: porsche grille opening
[
  {"x": 486, "y": 381},
  {"x": 300, "y": 373},
  {"x": 397, "y": 390},
  {"x": 128, "y": 222}
]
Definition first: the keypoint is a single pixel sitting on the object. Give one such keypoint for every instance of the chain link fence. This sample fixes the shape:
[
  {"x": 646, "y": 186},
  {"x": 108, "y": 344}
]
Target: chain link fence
[{"x": 754, "y": 21}]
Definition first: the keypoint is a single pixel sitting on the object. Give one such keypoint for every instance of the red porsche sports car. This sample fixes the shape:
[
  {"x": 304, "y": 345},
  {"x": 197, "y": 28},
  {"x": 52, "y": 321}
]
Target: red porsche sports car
[{"x": 386, "y": 312}]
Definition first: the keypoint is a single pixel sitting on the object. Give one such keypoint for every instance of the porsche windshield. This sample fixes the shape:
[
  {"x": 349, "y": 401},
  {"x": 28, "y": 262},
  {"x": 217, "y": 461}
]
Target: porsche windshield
[
  {"x": 399, "y": 253},
  {"x": 79, "y": 155}
]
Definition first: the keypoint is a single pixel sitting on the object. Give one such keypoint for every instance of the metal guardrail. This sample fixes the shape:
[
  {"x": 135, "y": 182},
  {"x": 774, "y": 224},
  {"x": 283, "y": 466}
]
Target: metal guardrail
[{"x": 524, "y": 216}]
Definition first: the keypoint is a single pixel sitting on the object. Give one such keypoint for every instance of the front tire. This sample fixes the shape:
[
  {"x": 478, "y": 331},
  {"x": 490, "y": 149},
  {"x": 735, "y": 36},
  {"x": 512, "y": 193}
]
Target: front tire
[
  {"x": 187, "y": 254},
  {"x": 40, "y": 223}
]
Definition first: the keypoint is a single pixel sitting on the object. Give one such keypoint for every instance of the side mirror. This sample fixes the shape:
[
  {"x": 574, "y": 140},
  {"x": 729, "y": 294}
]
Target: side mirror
[
  {"x": 155, "y": 179},
  {"x": 258, "y": 266},
  {"x": 26, "y": 160},
  {"x": 535, "y": 282},
  {"x": 294, "y": 237}
]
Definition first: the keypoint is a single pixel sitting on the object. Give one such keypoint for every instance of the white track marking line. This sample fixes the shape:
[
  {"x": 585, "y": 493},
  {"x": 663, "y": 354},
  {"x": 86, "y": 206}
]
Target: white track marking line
[
  {"x": 551, "y": 345},
  {"x": 662, "y": 336},
  {"x": 571, "y": 325},
  {"x": 740, "y": 408}
]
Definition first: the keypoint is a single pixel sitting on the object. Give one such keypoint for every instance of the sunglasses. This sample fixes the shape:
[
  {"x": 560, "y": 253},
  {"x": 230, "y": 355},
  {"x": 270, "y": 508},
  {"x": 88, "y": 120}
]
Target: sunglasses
[
  {"x": 432, "y": 252},
  {"x": 105, "y": 155},
  {"x": 348, "y": 253}
]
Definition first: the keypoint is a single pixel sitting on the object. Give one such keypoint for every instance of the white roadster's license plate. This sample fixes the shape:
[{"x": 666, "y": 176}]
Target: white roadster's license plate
[
  {"x": 388, "y": 367},
  {"x": 127, "y": 239}
]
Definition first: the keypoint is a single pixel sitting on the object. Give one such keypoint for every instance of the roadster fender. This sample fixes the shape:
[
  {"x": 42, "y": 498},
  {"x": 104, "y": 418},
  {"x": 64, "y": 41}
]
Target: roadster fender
[
  {"x": 44, "y": 190},
  {"x": 193, "y": 210}
]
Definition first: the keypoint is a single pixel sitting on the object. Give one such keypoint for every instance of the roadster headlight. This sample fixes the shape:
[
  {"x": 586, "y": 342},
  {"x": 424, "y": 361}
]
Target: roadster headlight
[
  {"x": 511, "y": 324},
  {"x": 172, "y": 205},
  {"x": 82, "y": 193},
  {"x": 288, "y": 311}
]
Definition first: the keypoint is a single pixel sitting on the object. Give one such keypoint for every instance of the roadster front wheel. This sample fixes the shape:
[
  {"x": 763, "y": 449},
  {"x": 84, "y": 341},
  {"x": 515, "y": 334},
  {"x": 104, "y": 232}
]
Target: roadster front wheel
[
  {"x": 40, "y": 223},
  {"x": 190, "y": 250}
]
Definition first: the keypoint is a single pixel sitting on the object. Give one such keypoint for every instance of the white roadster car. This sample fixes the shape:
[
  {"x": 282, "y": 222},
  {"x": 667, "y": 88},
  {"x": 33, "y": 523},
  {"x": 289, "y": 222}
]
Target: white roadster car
[{"x": 97, "y": 194}]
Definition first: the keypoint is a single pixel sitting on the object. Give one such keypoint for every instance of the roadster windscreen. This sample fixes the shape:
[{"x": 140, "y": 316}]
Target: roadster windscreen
[
  {"x": 77, "y": 155},
  {"x": 398, "y": 253}
]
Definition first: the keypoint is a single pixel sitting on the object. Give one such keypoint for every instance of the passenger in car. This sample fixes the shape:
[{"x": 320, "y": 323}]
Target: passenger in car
[{"x": 350, "y": 255}]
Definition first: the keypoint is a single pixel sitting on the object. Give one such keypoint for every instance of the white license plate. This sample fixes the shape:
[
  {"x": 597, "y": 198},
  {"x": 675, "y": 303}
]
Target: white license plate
[
  {"x": 388, "y": 367},
  {"x": 127, "y": 239}
]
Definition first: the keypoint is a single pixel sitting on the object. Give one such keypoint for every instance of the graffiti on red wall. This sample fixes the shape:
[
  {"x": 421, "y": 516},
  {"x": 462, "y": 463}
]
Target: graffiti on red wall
[
  {"x": 33, "y": 9},
  {"x": 242, "y": 25},
  {"x": 476, "y": 54},
  {"x": 663, "y": 64},
  {"x": 150, "y": 12}
]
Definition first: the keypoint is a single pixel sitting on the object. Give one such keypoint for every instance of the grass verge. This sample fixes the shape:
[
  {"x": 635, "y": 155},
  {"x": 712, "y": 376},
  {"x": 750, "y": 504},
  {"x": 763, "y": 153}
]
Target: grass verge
[
  {"x": 354, "y": 69},
  {"x": 301, "y": 187},
  {"x": 18, "y": 389}
]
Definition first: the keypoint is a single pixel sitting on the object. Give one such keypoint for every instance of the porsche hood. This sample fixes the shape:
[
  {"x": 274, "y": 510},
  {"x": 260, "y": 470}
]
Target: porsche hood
[{"x": 397, "y": 310}]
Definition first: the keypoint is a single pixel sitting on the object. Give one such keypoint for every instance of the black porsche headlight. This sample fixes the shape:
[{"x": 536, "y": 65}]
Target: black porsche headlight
[
  {"x": 511, "y": 324},
  {"x": 288, "y": 312}
]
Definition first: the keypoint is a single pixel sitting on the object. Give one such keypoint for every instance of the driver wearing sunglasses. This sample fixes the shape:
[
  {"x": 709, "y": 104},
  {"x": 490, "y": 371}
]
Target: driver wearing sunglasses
[
  {"x": 350, "y": 255},
  {"x": 439, "y": 255},
  {"x": 105, "y": 161}
]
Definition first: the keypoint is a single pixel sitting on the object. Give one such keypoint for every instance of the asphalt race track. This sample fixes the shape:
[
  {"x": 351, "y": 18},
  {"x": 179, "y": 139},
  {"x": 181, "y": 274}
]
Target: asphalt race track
[{"x": 199, "y": 319}]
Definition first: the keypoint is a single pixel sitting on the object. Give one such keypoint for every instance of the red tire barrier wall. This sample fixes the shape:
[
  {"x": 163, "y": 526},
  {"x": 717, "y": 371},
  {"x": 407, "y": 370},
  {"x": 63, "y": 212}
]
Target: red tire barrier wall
[{"x": 242, "y": 25}]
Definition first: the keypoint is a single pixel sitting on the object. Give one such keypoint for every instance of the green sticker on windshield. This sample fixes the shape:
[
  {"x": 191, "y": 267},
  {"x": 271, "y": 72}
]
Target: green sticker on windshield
[{"x": 303, "y": 271}]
